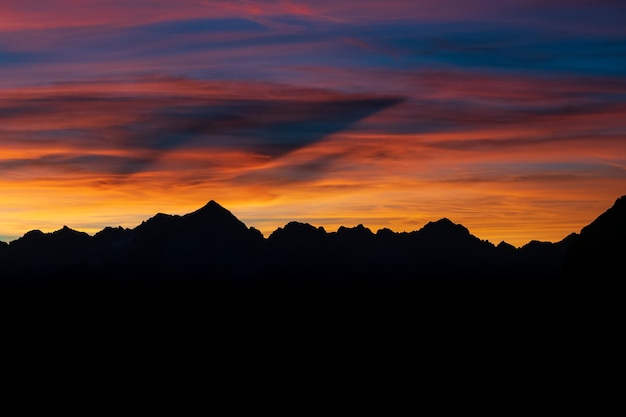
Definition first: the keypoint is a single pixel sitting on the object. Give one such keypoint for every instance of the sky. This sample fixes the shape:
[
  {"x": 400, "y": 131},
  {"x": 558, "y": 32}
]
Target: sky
[{"x": 508, "y": 117}]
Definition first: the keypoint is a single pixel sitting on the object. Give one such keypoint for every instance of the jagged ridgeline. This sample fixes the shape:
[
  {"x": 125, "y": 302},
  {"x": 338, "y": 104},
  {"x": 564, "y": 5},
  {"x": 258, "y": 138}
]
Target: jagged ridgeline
[{"x": 211, "y": 244}]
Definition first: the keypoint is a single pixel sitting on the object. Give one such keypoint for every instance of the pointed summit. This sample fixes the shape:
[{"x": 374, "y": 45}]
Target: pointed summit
[
  {"x": 213, "y": 215},
  {"x": 210, "y": 208},
  {"x": 66, "y": 231},
  {"x": 211, "y": 221}
]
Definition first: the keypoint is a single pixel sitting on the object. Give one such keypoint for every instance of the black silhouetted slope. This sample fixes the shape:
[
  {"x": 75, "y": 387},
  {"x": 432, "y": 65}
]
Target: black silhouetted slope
[
  {"x": 110, "y": 237},
  {"x": 208, "y": 243},
  {"x": 298, "y": 250},
  {"x": 42, "y": 253},
  {"x": 599, "y": 252},
  {"x": 440, "y": 250},
  {"x": 450, "y": 251},
  {"x": 4, "y": 248}
]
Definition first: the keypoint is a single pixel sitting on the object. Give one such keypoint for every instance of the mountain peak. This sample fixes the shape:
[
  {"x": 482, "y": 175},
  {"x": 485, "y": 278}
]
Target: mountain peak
[
  {"x": 210, "y": 208},
  {"x": 358, "y": 231},
  {"x": 68, "y": 233},
  {"x": 213, "y": 203},
  {"x": 295, "y": 232},
  {"x": 620, "y": 203},
  {"x": 445, "y": 224},
  {"x": 505, "y": 246},
  {"x": 213, "y": 215},
  {"x": 611, "y": 222},
  {"x": 598, "y": 250},
  {"x": 65, "y": 230},
  {"x": 35, "y": 232}
]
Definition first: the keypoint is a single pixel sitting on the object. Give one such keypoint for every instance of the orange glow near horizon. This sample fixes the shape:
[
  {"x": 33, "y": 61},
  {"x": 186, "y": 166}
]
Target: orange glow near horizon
[{"x": 489, "y": 212}]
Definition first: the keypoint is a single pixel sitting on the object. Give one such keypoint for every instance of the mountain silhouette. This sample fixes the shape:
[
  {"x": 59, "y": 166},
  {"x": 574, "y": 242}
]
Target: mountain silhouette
[
  {"x": 210, "y": 245},
  {"x": 209, "y": 241},
  {"x": 600, "y": 249}
]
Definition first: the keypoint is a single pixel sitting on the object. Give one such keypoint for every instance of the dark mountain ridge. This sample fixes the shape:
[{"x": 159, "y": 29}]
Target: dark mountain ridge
[
  {"x": 600, "y": 249},
  {"x": 212, "y": 245}
]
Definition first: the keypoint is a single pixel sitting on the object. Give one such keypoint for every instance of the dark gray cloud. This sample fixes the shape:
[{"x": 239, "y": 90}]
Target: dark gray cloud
[
  {"x": 265, "y": 127},
  {"x": 152, "y": 127},
  {"x": 268, "y": 127},
  {"x": 104, "y": 164}
]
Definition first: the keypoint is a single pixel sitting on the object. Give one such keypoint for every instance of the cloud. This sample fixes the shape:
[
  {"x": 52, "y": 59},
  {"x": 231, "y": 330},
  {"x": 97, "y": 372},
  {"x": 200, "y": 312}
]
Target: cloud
[
  {"x": 271, "y": 40},
  {"x": 294, "y": 171},
  {"x": 269, "y": 127},
  {"x": 147, "y": 126},
  {"x": 98, "y": 164}
]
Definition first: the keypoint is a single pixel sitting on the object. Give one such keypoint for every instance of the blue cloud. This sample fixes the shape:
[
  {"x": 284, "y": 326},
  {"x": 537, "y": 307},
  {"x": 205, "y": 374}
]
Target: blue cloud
[
  {"x": 268, "y": 127},
  {"x": 11, "y": 59},
  {"x": 195, "y": 26}
]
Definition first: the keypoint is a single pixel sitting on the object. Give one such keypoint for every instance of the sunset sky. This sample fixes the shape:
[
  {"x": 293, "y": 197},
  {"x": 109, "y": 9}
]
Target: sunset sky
[{"x": 508, "y": 117}]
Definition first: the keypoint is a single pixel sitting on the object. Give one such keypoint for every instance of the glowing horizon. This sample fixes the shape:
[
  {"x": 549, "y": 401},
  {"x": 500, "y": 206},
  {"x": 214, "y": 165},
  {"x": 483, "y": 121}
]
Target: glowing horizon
[{"x": 508, "y": 118}]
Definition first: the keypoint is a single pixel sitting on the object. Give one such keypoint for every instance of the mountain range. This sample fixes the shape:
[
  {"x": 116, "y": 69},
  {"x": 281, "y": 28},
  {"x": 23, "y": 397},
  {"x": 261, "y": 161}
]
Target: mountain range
[{"x": 211, "y": 245}]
